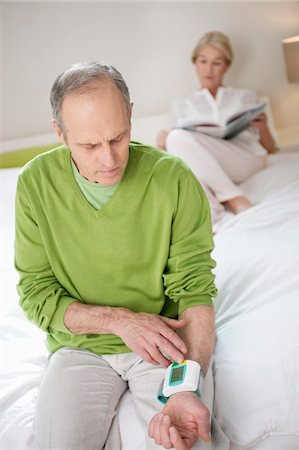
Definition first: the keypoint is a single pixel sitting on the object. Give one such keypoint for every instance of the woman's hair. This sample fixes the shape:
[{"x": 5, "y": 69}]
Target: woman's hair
[
  {"x": 80, "y": 78},
  {"x": 218, "y": 40}
]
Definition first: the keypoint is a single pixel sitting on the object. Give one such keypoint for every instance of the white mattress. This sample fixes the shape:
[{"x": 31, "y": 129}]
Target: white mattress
[{"x": 257, "y": 353}]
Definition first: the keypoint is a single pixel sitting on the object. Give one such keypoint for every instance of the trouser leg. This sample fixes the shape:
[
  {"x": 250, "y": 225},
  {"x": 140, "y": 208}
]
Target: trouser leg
[
  {"x": 78, "y": 400},
  {"x": 144, "y": 381},
  {"x": 203, "y": 163},
  {"x": 217, "y": 163}
]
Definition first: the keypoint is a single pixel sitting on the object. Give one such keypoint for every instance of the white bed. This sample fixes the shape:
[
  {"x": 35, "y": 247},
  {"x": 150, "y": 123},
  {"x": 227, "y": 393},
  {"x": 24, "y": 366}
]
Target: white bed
[{"x": 257, "y": 353}]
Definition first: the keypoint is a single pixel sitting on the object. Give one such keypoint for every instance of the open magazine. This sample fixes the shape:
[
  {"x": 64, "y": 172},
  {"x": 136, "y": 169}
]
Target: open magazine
[{"x": 236, "y": 123}]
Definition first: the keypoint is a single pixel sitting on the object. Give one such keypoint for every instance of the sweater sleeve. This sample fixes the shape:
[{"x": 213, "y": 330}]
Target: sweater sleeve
[
  {"x": 42, "y": 298},
  {"x": 188, "y": 277}
]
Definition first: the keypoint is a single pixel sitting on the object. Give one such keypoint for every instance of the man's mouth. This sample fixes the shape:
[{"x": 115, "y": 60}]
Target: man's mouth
[{"x": 109, "y": 172}]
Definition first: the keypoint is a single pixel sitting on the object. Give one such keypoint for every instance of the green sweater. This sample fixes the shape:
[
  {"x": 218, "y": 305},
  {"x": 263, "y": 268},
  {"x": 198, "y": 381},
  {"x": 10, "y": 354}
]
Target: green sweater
[{"x": 148, "y": 249}]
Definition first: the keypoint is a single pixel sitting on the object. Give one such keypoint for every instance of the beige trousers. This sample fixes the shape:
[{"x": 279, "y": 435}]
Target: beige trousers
[
  {"x": 218, "y": 164},
  {"x": 79, "y": 397}
]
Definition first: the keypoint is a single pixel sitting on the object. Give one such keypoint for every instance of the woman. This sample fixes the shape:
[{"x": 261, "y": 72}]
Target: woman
[{"x": 219, "y": 164}]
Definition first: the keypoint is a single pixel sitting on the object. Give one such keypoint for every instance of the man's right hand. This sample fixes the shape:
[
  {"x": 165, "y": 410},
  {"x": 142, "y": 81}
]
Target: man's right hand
[{"x": 150, "y": 336}]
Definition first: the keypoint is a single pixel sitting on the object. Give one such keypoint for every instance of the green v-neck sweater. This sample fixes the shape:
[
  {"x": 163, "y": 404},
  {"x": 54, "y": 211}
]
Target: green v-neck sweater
[{"x": 147, "y": 249}]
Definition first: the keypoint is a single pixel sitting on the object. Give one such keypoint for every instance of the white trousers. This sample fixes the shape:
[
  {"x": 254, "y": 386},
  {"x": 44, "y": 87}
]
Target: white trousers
[
  {"x": 218, "y": 164},
  {"x": 79, "y": 397}
]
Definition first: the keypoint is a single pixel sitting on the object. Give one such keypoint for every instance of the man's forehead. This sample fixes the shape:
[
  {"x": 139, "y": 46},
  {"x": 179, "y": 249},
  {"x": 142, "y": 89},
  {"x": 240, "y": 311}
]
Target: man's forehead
[{"x": 102, "y": 88}]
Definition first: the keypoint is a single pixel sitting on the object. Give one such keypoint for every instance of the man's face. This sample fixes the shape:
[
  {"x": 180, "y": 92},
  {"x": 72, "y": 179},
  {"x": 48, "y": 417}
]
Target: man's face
[{"x": 97, "y": 131}]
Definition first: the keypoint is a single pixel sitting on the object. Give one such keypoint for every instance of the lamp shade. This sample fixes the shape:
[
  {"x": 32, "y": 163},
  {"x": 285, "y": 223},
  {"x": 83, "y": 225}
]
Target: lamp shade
[{"x": 291, "y": 55}]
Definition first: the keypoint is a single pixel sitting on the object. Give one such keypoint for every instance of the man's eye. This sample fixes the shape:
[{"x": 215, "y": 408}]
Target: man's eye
[{"x": 114, "y": 141}]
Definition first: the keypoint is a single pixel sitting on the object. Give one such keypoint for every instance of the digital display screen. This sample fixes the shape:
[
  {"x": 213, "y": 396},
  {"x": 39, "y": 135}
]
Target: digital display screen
[{"x": 177, "y": 374}]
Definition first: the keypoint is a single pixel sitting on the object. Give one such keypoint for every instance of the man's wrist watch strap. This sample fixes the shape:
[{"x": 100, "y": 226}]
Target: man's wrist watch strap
[{"x": 163, "y": 399}]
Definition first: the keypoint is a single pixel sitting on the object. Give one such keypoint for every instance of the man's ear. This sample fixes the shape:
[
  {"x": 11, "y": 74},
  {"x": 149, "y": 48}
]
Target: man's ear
[
  {"x": 132, "y": 104},
  {"x": 58, "y": 131}
]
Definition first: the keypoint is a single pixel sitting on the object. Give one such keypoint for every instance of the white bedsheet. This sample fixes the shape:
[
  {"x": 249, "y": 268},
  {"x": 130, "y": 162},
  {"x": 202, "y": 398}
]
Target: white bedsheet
[{"x": 257, "y": 352}]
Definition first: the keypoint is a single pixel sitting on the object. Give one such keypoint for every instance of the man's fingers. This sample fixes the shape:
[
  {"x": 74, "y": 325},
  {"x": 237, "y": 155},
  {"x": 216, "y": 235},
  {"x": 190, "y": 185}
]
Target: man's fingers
[
  {"x": 173, "y": 338},
  {"x": 147, "y": 356},
  {"x": 158, "y": 356},
  {"x": 151, "y": 427},
  {"x": 161, "y": 353},
  {"x": 165, "y": 435},
  {"x": 159, "y": 430},
  {"x": 204, "y": 431},
  {"x": 154, "y": 338},
  {"x": 169, "y": 350},
  {"x": 174, "y": 323},
  {"x": 177, "y": 441},
  {"x": 204, "y": 426},
  {"x": 154, "y": 428}
]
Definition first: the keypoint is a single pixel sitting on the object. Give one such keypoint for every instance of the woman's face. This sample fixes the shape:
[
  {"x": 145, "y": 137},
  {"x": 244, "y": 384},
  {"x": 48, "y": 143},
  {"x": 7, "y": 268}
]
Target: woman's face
[{"x": 210, "y": 66}]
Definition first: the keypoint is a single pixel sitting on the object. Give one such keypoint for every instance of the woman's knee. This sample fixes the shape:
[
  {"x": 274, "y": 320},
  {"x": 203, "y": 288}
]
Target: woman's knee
[{"x": 177, "y": 139}]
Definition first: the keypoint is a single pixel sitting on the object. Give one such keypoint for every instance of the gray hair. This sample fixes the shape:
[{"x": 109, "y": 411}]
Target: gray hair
[{"x": 81, "y": 77}]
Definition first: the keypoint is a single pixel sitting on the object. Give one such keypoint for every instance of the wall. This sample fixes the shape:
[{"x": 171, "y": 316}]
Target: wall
[{"x": 150, "y": 43}]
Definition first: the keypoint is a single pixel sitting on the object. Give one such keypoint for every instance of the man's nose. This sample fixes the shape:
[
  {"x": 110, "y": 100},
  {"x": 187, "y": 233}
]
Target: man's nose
[{"x": 106, "y": 156}]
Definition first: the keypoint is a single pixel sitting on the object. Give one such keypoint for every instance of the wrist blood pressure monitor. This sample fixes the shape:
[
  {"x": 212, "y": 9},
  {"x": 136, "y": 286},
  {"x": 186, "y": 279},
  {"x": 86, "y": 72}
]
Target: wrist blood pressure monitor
[{"x": 181, "y": 377}]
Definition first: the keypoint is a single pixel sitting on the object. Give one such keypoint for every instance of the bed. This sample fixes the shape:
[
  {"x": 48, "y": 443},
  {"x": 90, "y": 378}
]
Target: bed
[{"x": 256, "y": 362}]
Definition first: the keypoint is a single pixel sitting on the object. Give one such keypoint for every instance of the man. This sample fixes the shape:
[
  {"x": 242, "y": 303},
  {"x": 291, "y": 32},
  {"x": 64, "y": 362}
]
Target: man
[{"x": 113, "y": 243}]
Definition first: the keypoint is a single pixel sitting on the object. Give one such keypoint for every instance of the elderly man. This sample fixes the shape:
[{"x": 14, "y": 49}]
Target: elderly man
[{"x": 113, "y": 243}]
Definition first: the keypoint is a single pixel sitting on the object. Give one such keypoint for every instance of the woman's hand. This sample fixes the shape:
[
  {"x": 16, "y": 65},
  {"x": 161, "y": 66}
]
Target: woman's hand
[
  {"x": 266, "y": 139},
  {"x": 161, "y": 139},
  {"x": 260, "y": 122}
]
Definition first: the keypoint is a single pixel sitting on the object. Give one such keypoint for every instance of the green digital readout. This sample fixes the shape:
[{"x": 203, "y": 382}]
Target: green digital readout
[{"x": 177, "y": 374}]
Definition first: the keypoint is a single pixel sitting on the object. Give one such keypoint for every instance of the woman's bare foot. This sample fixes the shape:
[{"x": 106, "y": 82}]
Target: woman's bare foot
[{"x": 238, "y": 204}]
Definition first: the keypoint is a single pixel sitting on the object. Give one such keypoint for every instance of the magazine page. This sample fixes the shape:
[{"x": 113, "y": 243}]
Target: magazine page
[
  {"x": 190, "y": 123},
  {"x": 212, "y": 130},
  {"x": 255, "y": 110},
  {"x": 242, "y": 121},
  {"x": 237, "y": 123}
]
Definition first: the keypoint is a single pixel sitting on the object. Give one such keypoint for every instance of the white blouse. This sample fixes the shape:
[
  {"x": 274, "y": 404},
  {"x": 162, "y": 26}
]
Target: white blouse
[{"x": 203, "y": 106}]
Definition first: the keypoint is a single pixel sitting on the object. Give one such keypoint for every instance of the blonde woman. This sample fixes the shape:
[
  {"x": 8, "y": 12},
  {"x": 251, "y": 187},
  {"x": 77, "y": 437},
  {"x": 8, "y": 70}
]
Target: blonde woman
[{"x": 219, "y": 164}]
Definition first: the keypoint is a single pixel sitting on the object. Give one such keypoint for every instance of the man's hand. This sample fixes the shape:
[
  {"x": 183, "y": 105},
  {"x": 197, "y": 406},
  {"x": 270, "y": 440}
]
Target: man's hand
[
  {"x": 151, "y": 336},
  {"x": 181, "y": 422}
]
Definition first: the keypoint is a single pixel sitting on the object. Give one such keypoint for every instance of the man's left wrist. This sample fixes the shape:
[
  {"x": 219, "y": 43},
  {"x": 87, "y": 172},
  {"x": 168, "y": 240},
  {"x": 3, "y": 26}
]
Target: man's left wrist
[{"x": 186, "y": 376}]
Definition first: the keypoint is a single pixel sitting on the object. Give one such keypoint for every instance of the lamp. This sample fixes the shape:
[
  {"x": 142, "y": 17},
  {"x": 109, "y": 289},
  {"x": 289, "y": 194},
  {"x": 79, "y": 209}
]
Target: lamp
[{"x": 291, "y": 55}]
